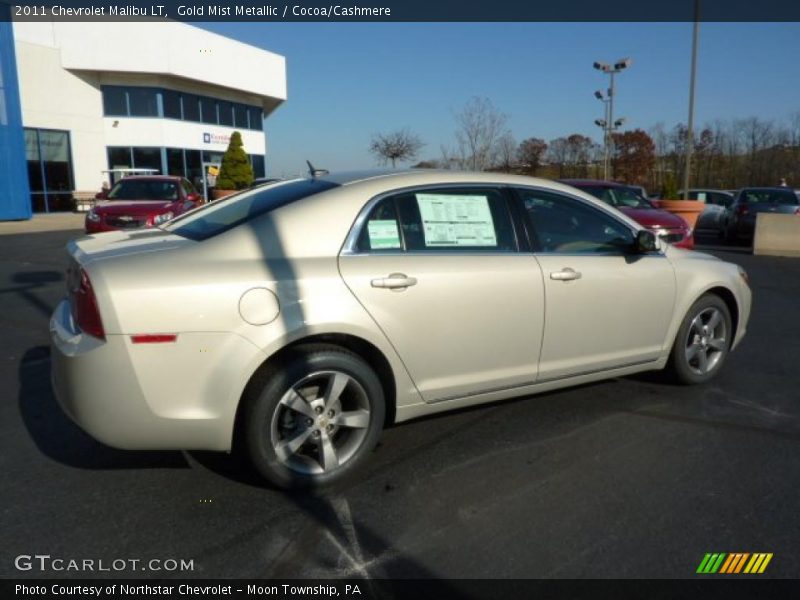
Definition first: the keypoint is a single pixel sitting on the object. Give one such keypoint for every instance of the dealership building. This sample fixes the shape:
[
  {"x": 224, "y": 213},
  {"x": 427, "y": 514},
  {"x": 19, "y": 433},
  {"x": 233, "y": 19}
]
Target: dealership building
[{"x": 78, "y": 100}]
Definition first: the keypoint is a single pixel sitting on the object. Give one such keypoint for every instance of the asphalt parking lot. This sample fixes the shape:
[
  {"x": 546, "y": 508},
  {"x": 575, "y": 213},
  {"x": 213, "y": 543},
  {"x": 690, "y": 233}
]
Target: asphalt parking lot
[{"x": 626, "y": 478}]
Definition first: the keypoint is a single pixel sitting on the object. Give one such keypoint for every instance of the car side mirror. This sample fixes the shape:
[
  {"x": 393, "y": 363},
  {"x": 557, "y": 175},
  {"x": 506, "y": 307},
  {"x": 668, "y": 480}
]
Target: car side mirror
[{"x": 646, "y": 242}]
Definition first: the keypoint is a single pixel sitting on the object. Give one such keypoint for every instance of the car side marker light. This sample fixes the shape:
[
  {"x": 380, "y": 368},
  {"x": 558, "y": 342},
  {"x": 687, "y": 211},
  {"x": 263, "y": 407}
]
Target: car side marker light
[{"x": 154, "y": 338}]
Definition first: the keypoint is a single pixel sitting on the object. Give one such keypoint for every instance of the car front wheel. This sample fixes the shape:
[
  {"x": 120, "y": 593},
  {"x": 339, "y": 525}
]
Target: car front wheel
[
  {"x": 703, "y": 341},
  {"x": 314, "y": 417}
]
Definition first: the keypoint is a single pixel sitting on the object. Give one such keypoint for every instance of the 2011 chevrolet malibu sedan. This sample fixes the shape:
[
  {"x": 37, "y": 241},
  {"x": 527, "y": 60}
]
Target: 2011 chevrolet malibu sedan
[{"x": 300, "y": 318}]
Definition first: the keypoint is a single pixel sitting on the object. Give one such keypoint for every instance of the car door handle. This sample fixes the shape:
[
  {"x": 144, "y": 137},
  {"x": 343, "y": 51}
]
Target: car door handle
[
  {"x": 566, "y": 274},
  {"x": 394, "y": 281}
]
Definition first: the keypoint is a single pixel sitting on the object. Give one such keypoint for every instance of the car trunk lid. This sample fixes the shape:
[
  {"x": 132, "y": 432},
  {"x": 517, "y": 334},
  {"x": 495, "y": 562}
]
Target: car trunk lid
[{"x": 121, "y": 243}]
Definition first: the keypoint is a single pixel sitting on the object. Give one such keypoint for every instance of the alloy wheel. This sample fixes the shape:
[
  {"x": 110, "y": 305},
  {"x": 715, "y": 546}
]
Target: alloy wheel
[
  {"x": 320, "y": 422},
  {"x": 706, "y": 341}
]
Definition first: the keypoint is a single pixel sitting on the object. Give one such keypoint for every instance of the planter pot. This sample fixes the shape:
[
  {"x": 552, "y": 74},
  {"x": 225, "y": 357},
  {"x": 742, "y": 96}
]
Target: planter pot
[
  {"x": 688, "y": 210},
  {"x": 217, "y": 193}
]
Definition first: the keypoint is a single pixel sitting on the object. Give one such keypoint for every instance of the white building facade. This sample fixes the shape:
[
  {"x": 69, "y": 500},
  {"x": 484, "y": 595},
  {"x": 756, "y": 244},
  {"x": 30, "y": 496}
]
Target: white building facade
[{"x": 158, "y": 95}]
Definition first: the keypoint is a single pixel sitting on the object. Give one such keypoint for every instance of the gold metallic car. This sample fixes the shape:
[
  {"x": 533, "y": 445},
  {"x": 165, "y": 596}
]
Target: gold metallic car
[{"x": 302, "y": 317}]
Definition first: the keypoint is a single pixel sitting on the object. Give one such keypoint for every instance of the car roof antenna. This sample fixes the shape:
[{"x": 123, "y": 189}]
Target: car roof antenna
[{"x": 315, "y": 172}]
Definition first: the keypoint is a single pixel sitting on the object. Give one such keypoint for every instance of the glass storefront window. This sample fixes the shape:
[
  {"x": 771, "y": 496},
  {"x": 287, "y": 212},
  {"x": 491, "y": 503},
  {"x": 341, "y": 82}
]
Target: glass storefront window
[
  {"x": 175, "y": 162},
  {"x": 226, "y": 113},
  {"x": 191, "y": 107},
  {"x": 35, "y": 179},
  {"x": 172, "y": 104},
  {"x": 194, "y": 168},
  {"x": 119, "y": 158},
  {"x": 208, "y": 108},
  {"x": 240, "y": 116},
  {"x": 147, "y": 158},
  {"x": 115, "y": 103},
  {"x": 256, "y": 118},
  {"x": 49, "y": 169},
  {"x": 134, "y": 101},
  {"x": 257, "y": 161},
  {"x": 143, "y": 102}
]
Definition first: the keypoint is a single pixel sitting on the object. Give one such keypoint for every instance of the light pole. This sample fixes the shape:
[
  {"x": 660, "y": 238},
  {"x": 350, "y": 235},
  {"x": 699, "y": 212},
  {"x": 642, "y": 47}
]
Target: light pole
[
  {"x": 610, "y": 124},
  {"x": 690, "y": 124}
]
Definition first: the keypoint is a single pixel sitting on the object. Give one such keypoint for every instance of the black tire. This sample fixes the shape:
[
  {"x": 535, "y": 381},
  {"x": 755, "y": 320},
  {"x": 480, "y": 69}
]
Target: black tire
[
  {"x": 269, "y": 424},
  {"x": 685, "y": 364}
]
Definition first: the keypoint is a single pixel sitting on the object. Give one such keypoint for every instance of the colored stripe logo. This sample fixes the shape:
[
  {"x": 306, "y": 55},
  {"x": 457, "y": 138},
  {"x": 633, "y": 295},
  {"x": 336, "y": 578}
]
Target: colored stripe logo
[{"x": 733, "y": 563}]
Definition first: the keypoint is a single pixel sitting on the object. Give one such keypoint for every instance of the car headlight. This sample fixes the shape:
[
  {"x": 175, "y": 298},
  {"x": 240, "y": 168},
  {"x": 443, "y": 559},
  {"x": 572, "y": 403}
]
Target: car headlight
[
  {"x": 162, "y": 218},
  {"x": 92, "y": 216}
]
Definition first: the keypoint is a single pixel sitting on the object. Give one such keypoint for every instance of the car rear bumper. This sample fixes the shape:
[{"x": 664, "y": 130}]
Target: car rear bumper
[{"x": 148, "y": 397}]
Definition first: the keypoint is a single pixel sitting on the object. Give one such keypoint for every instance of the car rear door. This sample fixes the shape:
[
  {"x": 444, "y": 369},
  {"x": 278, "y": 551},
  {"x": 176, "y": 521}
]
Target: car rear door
[
  {"x": 439, "y": 271},
  {"x": 605, "y": 307}
]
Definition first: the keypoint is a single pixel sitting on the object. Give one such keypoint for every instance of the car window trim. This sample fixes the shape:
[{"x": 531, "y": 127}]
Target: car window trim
[{"x": 350, "y": 245}]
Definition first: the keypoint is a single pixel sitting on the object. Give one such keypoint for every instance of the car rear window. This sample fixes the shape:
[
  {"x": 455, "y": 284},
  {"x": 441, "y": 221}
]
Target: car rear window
[
  {"x": 144, "y": 189},
  {"x": 770, "y": 197},
  {"x": 226, "y": 213}
]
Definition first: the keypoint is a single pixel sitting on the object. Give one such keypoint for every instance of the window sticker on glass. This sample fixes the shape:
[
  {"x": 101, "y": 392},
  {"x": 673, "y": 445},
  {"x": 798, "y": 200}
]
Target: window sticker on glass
[
  {"x": 455, "y": 220},
  {"x": 383, "y": 234}
]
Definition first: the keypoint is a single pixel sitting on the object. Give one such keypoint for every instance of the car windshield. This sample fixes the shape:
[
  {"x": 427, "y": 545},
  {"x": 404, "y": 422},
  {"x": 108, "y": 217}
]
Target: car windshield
[
  {"x": 618, "y": 196},
  {"x": 144, "y": 189},
  {"x": 226, "y": 213}
]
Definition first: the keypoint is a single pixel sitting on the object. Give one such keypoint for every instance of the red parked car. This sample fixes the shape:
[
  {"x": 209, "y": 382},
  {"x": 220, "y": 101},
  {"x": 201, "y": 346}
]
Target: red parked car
[
  {"x": 141, "y": 201},
  {"x": 671, "y": 228}
]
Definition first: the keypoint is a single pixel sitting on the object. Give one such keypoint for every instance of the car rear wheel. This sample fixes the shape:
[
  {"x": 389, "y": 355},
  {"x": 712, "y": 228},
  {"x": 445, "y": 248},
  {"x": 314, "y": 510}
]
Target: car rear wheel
[
  {"x": 313, "y": 418},
  {"x": 703, "y": 341}
]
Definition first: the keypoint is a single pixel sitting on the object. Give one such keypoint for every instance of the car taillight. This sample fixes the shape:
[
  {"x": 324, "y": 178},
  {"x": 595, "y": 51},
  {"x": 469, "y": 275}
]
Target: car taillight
[{"x": 84, "y": 308}]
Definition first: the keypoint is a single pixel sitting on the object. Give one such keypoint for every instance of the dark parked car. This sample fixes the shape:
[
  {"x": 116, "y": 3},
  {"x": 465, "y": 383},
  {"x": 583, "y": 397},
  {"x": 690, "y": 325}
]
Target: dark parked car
[
  {"x": 671, "y": 228},
  {"x": 141, "y": 201},
  {"x": 714, "y": 214},
  {"x": 740, "y": 218}
]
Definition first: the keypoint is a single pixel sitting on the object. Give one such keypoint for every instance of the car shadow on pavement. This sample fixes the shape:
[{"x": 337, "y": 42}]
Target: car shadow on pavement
[
  {"x": 58, "y": 438},
  {"x": 29, "y": 281}
]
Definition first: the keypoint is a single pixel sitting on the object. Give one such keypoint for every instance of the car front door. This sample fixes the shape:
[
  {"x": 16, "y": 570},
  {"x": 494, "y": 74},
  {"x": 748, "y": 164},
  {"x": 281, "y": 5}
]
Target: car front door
[
  {"x": 605, "y": 306},
  {"x": 439, "y": 271}
]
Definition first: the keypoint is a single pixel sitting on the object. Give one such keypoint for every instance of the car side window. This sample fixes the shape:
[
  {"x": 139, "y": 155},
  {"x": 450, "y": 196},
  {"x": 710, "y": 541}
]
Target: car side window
[
  {"x": 456, "y": 220},
  {"x": 440, "y": 220},
  {"x": 381, "y": 231},
  {"x": 566, "y": 225}
]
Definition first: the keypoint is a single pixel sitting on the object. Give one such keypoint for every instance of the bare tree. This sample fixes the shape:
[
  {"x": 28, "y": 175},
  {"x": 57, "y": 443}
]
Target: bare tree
[
  {"x": 399, "y": 145},
  {"x": 559, "y": 153},
  {"x": 480, "y": 127},
  {"x": 506, "y": 152}
]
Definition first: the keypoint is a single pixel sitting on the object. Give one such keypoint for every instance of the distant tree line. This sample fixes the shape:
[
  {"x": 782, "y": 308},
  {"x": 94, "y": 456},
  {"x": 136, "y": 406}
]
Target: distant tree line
[{"x": 726, "y": 154}]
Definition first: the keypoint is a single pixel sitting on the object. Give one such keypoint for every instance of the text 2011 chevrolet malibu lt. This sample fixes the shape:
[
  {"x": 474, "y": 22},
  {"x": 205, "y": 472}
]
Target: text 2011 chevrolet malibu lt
[{"x": 302, "y": 317}]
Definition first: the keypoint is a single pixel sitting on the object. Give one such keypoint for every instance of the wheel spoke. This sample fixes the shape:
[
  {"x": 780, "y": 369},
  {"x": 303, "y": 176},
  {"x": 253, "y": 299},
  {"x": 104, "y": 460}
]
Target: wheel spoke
[
  {"x": 697, "y": 324},
  {"x": 702, "y": 361},
  {"x": 297, "y": 403},
  {"x": 358, "y": 419},
  {"x": 716, "y": 318},
  {"x": 336, "y": 384},
  {"x": 717, "y": 343},
  {"x": 692, "y": 351},
  {"x": 286, "y": 448},
  {"x": 328, "y": 459}
]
